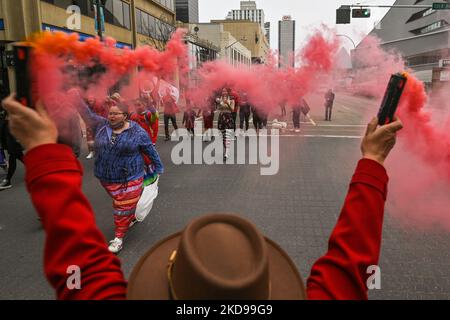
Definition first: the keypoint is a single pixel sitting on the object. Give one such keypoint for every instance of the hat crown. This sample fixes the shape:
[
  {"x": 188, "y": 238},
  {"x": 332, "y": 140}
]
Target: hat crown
[{"x": 221, "y": 257}]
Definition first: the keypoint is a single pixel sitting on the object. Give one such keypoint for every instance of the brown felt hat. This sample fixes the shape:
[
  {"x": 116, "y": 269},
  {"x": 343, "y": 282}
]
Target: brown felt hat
[{"x": 216, "y": 257}]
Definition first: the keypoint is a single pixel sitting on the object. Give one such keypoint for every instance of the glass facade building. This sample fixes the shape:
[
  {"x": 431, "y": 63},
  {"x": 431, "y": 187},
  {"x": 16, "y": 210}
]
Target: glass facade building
[
  {"x": 286, "y": 42},
  {"x": 187, "y": 11}
]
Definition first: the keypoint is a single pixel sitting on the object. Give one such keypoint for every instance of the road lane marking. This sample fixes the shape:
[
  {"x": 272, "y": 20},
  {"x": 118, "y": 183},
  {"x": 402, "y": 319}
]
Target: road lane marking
[{"x": 296, "y": 136}]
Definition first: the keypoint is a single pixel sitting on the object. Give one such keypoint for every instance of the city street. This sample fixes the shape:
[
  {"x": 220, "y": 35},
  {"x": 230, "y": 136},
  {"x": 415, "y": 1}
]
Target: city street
[{"x": 297, "y": 208}]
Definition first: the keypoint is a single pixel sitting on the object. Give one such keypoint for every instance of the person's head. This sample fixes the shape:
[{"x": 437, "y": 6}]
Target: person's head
[
  {"x": 139, "y": 106},
  {"x": 91, "y": 100},
  {"x": 225, "y": 92},
  {"x": 225, "y": 256},
  {"x": 168, "y": 92},
  {"x": 117, "y": 115}
]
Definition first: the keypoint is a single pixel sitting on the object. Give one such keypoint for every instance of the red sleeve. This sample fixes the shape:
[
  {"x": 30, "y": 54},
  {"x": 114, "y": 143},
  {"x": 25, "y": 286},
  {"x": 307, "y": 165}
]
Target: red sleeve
[
  {"x": 355, "y": 242},
  {"x": 53, "y": 178}
]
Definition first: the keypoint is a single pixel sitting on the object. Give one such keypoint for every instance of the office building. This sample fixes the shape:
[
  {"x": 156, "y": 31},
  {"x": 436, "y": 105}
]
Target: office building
[
  {"x": 248, "y": 11},
  {"x": 250, "y": 35},
  {"x": 267, "y": 30},
  {"x": 230, "y": 48},
  {"x": 187, "y": 11},
  {"x": 286, "y": 42},
  {"x": 422, "y": 36}
]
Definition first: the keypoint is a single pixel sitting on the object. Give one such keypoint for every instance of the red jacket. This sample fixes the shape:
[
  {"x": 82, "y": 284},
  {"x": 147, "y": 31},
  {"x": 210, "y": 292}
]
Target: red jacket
[{"x": 53, "y": 178}]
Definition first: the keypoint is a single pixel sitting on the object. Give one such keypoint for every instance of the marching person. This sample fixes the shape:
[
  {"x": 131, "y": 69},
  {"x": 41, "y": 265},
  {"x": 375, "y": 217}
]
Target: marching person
[
  {"x": 211, "y": 249},
  {"x": 244, "y": 112},
  {"x": 170, "y": 112},
  {"x": 283, "y": 109},
  {"x": 15, "y": 152},
  {"x": 257, "y": 119},
  {"x": 91, "y": 102},
  {"x": 234, "y": 96},
  {"x": 3, "y": 125},
  {"x": 226, "y": 106},
  {"x": 189, "y": 118},
  {"x": 296, "y": 112},
  {"x": 147, "y": 118},
  {"x": 329, "y": 101},
  {"x": 208, "y": 117},
  {"x": 120, "y": 145}
]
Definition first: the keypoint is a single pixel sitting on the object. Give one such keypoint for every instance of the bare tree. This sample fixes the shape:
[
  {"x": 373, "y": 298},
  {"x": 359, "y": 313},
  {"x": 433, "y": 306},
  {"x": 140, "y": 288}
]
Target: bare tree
[{"x": 158, "y": 33}]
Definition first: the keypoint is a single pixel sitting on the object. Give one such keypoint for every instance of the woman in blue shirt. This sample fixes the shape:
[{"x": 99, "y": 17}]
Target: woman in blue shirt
[{"x": 119, "y": 164}]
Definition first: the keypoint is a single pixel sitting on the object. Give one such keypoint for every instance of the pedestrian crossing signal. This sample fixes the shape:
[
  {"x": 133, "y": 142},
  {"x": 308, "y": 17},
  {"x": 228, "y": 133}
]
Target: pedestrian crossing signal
[{"x": 361, "y": 13}]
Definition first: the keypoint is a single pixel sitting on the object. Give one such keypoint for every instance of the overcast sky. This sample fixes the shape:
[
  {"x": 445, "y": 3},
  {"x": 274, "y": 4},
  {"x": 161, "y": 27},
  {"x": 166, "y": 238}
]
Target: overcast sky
[{"x": 308, "y": 14}]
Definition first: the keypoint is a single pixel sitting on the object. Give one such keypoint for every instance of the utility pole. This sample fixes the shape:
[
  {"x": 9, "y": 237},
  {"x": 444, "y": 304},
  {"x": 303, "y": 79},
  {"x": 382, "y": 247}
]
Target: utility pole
[{"x": 99, "y": 5}]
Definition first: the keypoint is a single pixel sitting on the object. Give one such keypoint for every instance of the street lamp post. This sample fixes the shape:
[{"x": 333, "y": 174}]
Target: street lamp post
[{"x": 345, "y": 36}]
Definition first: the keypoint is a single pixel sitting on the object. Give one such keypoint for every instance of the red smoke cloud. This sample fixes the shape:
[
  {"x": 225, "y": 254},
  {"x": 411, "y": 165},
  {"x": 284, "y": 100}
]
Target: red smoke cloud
[
  {"x": 419, "y": 167},
  {"x": 268, "y": 86}
]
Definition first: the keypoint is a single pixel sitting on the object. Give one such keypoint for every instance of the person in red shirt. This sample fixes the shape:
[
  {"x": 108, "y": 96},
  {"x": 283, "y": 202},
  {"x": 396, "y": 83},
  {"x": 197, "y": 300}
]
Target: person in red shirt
[
  {"x": 72, "y": 237},
  {"x": 148, "y": 119},
  {"x": 100, "y": 110}
]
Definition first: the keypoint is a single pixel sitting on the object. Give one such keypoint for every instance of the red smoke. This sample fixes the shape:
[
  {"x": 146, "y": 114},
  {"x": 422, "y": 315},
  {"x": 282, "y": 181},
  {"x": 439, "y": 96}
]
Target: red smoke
[
  {"x": 59, "y": 59},
  {"x": 419, "y": 167},
  {"x": 268, "y": 86}
]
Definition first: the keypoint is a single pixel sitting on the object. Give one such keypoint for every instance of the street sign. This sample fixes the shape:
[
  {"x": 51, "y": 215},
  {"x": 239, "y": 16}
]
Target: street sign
[{"x": 441, "y": 6}]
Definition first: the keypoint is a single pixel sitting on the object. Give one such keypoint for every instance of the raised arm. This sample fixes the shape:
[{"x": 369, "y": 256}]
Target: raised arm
[
  {"x": 89, "y": 117},
  {"x": 355, "y": 242},
  {"x": 73, "y": 241},
  {"x": 72, "y": 237}
]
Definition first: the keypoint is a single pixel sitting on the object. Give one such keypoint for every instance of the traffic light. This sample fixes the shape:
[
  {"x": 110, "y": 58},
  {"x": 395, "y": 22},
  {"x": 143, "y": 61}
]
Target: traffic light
[
  {"x": 343, "y": 15},
  {"x": 361, "y": 13}
]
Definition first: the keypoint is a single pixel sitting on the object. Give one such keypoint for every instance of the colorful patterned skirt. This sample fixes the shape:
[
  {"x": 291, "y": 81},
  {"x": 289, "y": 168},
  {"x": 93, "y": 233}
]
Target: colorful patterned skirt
[
  {"x": 125, "y": 199},
  {"x": 225, "y": 125}
]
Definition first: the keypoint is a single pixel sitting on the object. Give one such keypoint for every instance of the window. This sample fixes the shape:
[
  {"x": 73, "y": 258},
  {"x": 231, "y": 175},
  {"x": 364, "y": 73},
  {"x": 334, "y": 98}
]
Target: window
[
  {"x": 118, "y": 12},
  {"x": 145, "y": 26},
  {"x": 138, "y": 21},
  {"x": 126, "y": 16},
  {"x": 434, "y": 26},
  {"x": 153, "y": 27},
  {"x": 421, "y": 14},
  {"x": 166, "y": 3}
]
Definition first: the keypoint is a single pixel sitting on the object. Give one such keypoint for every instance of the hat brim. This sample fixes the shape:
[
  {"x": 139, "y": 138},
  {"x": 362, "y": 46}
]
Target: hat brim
[{"x": 149, "y": 281}]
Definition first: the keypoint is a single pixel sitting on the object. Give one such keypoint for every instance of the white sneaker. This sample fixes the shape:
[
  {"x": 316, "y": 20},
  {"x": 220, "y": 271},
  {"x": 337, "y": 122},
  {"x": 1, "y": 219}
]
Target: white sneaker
[
  {"x": 115, "y": 245},
  {"x": 90, "y": 155},
  {"x": 5, "y": 184},
  {"x": 297, "y": 130}
]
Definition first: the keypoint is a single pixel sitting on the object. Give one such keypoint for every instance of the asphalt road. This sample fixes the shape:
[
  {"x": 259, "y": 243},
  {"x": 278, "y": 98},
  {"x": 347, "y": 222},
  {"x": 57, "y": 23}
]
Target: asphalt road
[{"x": 297, "y": 208}]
